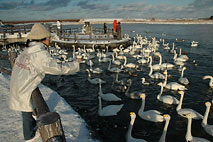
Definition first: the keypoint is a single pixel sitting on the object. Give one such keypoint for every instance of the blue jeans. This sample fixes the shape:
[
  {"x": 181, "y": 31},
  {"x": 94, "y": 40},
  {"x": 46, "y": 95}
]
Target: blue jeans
[{"x": 29, "y": 124}]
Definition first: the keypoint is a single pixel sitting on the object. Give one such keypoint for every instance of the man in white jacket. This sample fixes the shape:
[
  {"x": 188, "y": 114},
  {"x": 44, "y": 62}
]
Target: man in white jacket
[{"x": 29, "y": 70}]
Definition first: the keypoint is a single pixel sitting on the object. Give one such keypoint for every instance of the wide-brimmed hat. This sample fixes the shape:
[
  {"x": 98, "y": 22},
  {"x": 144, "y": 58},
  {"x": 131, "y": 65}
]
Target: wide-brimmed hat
[{"x": 38, "y": 32}]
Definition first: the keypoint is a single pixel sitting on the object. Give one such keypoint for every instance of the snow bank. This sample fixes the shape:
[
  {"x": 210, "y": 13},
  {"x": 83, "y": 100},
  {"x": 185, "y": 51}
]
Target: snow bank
[{"x": 11, "y": 121}]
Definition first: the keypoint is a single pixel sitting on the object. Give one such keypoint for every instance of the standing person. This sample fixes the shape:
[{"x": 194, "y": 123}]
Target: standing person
[
  {"x": 118, "y": 31},
  {"x": 29, "y": 70},
  {"x": 59, "y": 28},
  {"x": 114, "y": 25},
  {"x": 105, "y": 28}
]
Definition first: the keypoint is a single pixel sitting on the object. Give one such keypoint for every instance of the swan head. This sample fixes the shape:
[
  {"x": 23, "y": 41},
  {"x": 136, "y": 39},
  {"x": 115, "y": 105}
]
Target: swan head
[
  {"x": 142, "y": 95},
  {"x": 166, "y": 117},
  {"x": 181, "y": 92},
  {"x": 160, "y": 83},
  {"x": 129, "y": 81},
  {"x": 132, "y": 115},
  {"x": 188, "y": 115},
  {"x": 207, "y": 104}
]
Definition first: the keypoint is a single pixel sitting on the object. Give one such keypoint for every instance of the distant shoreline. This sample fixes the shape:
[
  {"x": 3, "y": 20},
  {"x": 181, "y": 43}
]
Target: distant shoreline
[{"x": 127, "y": 21}]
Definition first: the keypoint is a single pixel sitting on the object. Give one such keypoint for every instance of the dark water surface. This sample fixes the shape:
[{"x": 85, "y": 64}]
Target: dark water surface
[{"x": 82, "y": 95}]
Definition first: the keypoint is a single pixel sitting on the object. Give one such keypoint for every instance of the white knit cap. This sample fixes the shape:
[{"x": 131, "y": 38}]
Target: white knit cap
[{"x": 38, "y": 32}]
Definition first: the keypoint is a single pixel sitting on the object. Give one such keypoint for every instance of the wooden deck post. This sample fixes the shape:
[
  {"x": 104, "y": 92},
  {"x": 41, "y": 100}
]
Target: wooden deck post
[{"x": 49, "y": 123}]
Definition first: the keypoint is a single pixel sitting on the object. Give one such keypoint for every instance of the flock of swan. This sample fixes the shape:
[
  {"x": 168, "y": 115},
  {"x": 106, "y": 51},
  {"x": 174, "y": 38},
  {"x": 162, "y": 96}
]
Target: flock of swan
[{"x": 144, "y": 53}]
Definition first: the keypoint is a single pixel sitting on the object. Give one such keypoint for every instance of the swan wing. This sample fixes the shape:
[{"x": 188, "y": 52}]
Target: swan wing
[
  {"x": 197, "y": 139},
  {"x": 110, "y": 110},
  {"x": 194, "y": 114},
  {"x": 110, "y": 97},
  {"x": 169, "y": 99},
  {"x": 152, "y": 115},
  {"x": 209, "y": 129}
]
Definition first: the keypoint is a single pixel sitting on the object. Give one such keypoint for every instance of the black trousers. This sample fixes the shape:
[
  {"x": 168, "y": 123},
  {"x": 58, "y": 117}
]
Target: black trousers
[{"x": 29, "y": 125}]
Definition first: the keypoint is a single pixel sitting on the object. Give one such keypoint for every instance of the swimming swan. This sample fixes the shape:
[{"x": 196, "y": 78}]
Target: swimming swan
[
  {"x": 211, "y": 80},
  {"x": 94, "y": 81},
  {"x": 156, "y": 75},
  {"x": 207, "y": 128},
  {"x": 189, "y": 137},
  {"x": 167, "y": 99},
  {"x": 182, "y": 79},
  {"x": 129, "y": 137},
  {"x": 108, "y": 110},
  {"x": 107, "y": 96},
  {"x": 173, "y": 85},
  {"x": 183, "y": 111},
  {"x": 134, "y": 94},
  {"x": 149, "y": 115}
]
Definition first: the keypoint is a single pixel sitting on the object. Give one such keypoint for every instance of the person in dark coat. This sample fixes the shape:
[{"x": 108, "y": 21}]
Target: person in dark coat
[
  {"x": 118, "y": 31},
  {"x": 105, "y": 28}
]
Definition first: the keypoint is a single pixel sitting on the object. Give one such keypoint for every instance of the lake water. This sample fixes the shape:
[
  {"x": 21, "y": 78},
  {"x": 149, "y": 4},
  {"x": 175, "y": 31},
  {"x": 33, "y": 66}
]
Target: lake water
[{"x": 82, "y": 95}]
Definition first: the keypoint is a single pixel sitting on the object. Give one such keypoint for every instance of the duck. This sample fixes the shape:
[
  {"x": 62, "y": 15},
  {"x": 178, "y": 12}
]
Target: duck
[
  {"x": 182, "y": 111},
  {"x": 167, "y": 99},
  {"x": 107, "y": 96},
  {"x": 211, "y": 80},
  {"x": 183, "y": 80},
  {"x": 173, "y": 85},
  {"x": 188, "y": 136},
  {"x": 134, "y": 94},
  {"x": 149, "y": 115},
  {"x": 94, "y": 81},
  {"x": 109, "y": 110},
  {"x": 208, "y": 128},
  {"x": 129, "y": 137},
  {"x": 166, "y": 118}
]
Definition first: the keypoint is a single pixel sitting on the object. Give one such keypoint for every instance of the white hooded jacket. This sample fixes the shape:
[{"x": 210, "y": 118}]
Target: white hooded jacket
[{"x": 29, "y": 70}]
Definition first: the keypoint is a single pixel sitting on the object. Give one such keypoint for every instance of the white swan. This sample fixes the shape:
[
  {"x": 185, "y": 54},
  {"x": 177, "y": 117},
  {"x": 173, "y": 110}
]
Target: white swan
[
  {"x": 143, "y": 81},
  {"x": 211, "y": 80},
  {"x": 94, "y": 81},
  {"x": 107, "y": 96},
  {"x": 114, "y": 69},
  {"x": 183, "y": 80},
  {"x": 129, "y": 137},
  {"x": 183, "y": 111},
  {"x": 166, "y": 118},
  {"x": 173, "y": 85},
  {"x": 194, "y": 43},
  {"x": 150, "y": 115},
  {"x": 116, "y": 62},
  {"x": 108, "y": 110},
  {"x": 167, "y": 99},
  {"x": 134, "y": 94},
  {"x": 183, "y": 56},
  {"x": 156, "y": 75},
  {"x": 180, "y": 59},
  {"x": 207, "y": 128},
  {"x": 96, "y": 70},
  {"x": 189, "y": 137},
  {"x": 129, "y": 65},
  {"x": 156, "y": 66}
]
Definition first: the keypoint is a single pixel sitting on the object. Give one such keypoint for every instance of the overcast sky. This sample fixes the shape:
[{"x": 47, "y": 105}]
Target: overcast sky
[{"x": 79, "y": 9}]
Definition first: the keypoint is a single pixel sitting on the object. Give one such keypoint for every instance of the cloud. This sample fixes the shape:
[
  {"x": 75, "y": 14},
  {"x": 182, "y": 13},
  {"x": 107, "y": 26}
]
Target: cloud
[
  {"x": 91, "y": 6},
  {"x": 33, "y": 5}
]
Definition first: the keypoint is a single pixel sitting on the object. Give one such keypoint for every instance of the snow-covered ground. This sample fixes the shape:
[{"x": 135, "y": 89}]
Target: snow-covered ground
[{"x": 11, "y": 122}]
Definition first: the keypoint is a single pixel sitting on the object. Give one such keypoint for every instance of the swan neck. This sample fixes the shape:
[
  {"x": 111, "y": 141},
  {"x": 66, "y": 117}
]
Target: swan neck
[
  {"x": 99, "y": 105},
  {"x": 160, "y": 61},
  {"x": 205, "y": 118},
  {"x": 182, "y": 72},
  {"x": 125, "y": 60},
  {"x": 150, "y": 72},
  {"x": 142, "y": 105},
  {"x": 163, "y": 136},
  {"x": 129, "y": 133},
  {"x": 188, "y": 133},
  {"x": 179, "y": 106}
]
